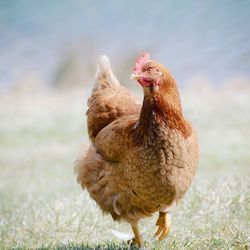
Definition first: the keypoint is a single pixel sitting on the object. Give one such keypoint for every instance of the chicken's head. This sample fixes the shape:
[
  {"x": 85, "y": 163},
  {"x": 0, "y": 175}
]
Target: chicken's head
[{"x": 147, "y": 72}]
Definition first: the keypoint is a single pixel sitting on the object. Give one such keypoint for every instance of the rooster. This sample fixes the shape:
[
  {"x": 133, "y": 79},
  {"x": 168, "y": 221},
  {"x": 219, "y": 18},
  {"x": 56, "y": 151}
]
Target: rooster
[{"x": 142, "y": 157}]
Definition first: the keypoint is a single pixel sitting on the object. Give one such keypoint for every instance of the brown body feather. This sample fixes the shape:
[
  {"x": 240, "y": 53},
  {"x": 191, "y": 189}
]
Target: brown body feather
[
  {"x": 108, "y": 104},
  {"x": 142, "y": 159}
]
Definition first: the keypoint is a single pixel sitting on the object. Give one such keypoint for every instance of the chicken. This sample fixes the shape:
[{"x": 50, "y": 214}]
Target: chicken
[{"x": 142, "y": 157}]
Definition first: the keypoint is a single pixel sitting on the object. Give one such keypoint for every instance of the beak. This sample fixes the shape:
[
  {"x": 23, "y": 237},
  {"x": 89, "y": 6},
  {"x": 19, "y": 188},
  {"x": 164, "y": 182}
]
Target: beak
[{"x": 135, "y": 76}]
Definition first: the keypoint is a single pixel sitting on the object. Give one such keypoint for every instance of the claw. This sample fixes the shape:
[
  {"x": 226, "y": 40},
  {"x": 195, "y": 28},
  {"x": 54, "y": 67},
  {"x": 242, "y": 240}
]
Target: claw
[
  {"x": 158, "y": 230},
  {"x": 163, "y": 224},
  {"x": 164, "y": 233}
]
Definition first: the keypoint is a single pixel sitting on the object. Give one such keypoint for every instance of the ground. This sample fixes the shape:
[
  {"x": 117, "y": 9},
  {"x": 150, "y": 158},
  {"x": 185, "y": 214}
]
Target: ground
[{"x": 42, "y": 206}]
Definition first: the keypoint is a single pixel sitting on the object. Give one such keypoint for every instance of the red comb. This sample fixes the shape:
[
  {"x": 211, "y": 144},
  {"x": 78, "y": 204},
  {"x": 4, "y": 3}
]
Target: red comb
[{"x": 141, "y": 60}]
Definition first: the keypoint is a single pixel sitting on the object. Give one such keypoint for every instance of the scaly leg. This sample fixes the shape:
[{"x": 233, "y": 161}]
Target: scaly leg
[
  {"x": 163, "y": 223},
  {"x": 136, "y": 231}
]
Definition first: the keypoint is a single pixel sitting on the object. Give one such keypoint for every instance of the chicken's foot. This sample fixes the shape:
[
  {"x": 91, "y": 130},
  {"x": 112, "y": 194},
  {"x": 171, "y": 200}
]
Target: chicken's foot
[
  {"x": 136, "y": 231},
  {"x": 163, "y": 223}
]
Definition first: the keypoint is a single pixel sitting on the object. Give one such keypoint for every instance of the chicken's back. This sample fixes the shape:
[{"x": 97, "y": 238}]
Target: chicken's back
[{"x": 109, "y": 100}]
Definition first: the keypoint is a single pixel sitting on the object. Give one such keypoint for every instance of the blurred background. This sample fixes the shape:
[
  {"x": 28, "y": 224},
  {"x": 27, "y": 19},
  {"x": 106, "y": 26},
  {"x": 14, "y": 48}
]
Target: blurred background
[
  {"x": 48, "y": 56},
  {"x": 57, "y": 43}
]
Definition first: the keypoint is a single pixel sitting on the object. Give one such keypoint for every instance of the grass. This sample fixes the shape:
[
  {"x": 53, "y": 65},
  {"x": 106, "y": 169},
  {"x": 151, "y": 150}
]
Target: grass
[{"x": 42, "y": 206}]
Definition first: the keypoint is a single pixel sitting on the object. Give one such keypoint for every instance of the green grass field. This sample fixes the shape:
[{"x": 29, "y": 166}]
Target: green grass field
[{"x": 43, "y": 207}]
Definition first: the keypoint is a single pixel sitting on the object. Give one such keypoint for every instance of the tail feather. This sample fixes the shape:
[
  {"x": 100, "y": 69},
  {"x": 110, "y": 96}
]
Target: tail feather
[
  {"x": 109, "y": 100},
  {"x": 104, "y": 76}
]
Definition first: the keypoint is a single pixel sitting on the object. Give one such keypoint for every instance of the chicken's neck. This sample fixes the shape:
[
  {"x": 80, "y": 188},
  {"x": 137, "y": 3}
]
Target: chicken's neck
[{"x": 161, "y": 109}]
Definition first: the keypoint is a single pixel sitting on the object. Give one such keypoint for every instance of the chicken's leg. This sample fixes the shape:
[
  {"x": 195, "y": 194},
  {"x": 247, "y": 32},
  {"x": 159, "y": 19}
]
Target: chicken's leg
[
  {"x": 163, "y": 223},
  {"x": 136, "y": 231}
]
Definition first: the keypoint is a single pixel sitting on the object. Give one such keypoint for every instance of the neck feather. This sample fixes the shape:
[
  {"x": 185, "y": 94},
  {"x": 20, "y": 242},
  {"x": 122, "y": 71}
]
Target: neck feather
[{"x": 162, "y": 109}]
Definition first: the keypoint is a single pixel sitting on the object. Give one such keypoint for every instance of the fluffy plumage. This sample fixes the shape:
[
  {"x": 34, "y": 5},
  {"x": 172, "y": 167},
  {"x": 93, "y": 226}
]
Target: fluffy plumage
[{"x": 142, "y": 158}]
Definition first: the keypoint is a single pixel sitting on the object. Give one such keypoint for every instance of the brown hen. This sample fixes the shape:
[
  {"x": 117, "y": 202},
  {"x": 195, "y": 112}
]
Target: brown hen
[{"x": 142, "y": 158}]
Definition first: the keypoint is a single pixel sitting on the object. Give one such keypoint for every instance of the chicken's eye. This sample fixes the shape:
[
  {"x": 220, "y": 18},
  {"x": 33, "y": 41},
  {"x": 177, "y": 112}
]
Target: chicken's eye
[{"x": 149, "y": 70}]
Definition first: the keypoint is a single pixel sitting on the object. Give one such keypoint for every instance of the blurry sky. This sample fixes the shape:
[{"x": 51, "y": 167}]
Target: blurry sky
[{"x": 193, "y": 38}]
